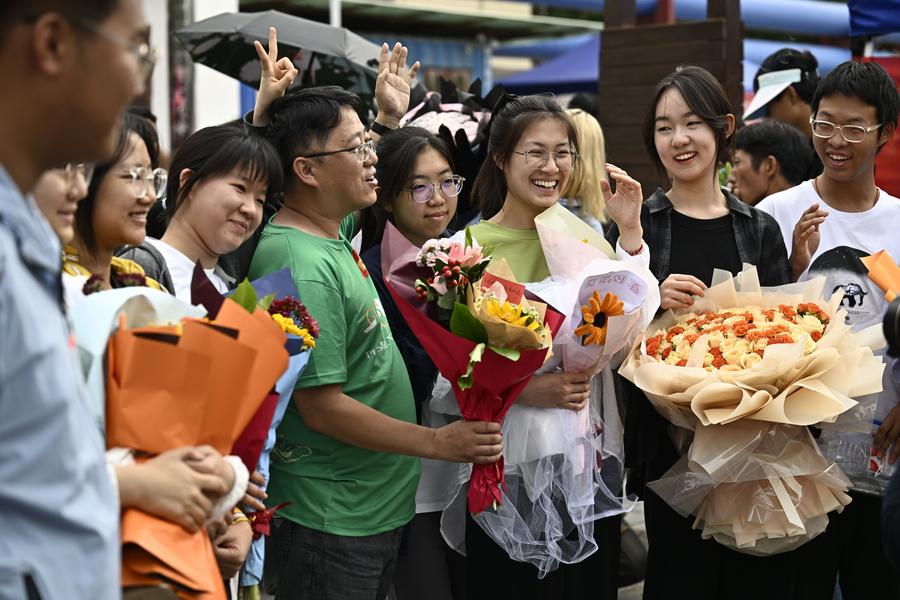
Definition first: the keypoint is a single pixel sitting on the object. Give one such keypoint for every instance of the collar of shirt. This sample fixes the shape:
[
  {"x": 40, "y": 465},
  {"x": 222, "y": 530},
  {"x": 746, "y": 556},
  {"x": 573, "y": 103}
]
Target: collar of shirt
[
  {"x": 659, "y": 202},
  {"x": 38, "y": 245}
]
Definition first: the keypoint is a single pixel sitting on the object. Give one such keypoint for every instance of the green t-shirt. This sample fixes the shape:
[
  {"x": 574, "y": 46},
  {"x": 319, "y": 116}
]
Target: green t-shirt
[
  {"x": 520, "y": 247},
  {"x": 333, "y": 486}
]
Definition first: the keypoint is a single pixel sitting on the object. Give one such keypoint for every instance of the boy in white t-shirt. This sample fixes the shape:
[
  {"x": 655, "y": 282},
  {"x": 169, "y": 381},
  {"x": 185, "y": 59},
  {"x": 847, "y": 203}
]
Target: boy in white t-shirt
[{"x": 828, "y": 224}]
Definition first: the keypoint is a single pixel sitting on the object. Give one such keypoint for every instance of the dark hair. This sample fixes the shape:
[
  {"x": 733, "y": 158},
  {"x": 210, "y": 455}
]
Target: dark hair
[
  {"x": 589, "y": 102},
  {"x": 398, "y": 151},
  {"x": 788, "y": 58},
  {"x": 84, "y": 214},
  {"x": 303, "y": 118},
  {"x": 216, "y": 151},
  {"x": 507, "y": 126},
  {"x": 705, "y": 97},
  {"x": 787, "y": 144},
  {"x": 867, "y": 81},
  {"x": 14, "y": 11}
]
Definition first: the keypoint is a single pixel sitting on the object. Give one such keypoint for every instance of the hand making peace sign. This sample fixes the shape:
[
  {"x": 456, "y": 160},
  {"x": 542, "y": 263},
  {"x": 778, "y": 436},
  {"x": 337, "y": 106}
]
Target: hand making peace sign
[{"x": 277, "y": 75}]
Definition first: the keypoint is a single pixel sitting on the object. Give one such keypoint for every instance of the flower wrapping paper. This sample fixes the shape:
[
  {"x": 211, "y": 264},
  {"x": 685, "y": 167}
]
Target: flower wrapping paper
[{"x": 753, "y": 476}]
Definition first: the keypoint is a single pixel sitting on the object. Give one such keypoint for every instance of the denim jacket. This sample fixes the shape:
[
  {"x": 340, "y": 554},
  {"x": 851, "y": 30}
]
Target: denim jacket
[{"x": 61, "y": 515}]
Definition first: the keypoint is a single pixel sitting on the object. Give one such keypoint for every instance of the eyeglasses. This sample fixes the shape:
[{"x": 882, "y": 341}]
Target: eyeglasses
[
  {"x": 538, "y": 159},
  {"x": 143, "y": 180},
  {"x": 423, "y": 192},
  {"x": 851, "y": 133},
  {"x": 143, "y": 52},
  {"x": 73, "y": 171},
  {"x": 361, "y": 152}
]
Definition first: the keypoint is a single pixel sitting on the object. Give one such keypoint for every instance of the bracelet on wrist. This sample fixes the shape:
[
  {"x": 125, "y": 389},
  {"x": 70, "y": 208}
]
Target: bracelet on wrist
[
  {"x": 379, "y": 128},
  {"x": 635, "y": 252}
]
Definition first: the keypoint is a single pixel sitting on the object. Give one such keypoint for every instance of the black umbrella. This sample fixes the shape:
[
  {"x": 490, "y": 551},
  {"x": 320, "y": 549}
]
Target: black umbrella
[{"x": 325, "y": 55}]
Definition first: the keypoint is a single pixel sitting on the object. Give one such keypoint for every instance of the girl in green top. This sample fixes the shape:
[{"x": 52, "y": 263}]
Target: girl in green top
[{"x": 532, "y": 149}]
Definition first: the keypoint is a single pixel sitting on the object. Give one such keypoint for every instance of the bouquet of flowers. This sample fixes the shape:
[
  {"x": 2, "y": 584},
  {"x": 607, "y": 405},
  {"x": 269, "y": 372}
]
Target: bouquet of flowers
[
  {"x": 747, "y": 369},
  {"x": 488, "y": 348},
  {"x": 452, "y": 267}
]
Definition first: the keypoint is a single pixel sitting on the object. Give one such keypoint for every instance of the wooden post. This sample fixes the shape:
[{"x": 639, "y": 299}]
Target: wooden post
[
  {"x": 619, "y": 13},
  {"x": 730, "y": 11}
]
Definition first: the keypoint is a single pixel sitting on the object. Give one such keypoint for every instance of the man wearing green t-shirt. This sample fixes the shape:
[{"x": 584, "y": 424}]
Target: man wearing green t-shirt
[{"x": 345, "y": 457}]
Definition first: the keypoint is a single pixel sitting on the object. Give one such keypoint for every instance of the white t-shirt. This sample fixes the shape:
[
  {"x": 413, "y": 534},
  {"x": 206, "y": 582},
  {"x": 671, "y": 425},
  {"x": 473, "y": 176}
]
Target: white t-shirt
[
  {"x": 181, "y": 269},
  {"x": 845, "y": 238}
]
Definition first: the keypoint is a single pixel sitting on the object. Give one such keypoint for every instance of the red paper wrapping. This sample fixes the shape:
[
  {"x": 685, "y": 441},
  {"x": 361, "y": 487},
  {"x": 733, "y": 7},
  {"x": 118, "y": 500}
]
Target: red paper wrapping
[
  {"x": 497, "y": 382},
  {"x": 248, "y": 447}
]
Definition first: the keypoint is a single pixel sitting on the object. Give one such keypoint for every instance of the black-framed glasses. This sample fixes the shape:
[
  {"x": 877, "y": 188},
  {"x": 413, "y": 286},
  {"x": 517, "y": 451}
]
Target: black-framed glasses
[
  {"x": 853, "y": 134},
  {"x": 538, "y": 159},
  {"x": 423, "y": 192},
  {"x": 361, "y": 152}
]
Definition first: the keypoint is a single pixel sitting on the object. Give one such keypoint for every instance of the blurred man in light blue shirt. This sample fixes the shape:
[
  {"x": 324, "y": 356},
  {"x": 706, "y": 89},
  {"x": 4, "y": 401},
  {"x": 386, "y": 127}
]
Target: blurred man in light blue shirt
[{"x": 68, "y": 68}]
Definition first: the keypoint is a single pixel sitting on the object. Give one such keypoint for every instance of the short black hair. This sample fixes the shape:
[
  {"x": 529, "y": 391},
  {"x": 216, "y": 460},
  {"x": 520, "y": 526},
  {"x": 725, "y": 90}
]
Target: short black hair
[
  {"x": 788, "y": 58},
  {"x": 216, "y": 151},
  {"x": 795, "y": 155},
  {"x": 867, "y": 81},
  {"x": 302, "y": 119},
  {"x": 705, "y": 97},
  {"x": 15, "y": 11},
  {"x": 589, "y": 102},
  {"x": 84, "y": 214}
]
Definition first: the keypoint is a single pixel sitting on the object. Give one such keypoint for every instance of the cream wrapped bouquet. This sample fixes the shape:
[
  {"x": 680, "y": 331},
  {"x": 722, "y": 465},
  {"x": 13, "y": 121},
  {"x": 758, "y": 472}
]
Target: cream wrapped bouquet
[{"x": 747, "y": 369}]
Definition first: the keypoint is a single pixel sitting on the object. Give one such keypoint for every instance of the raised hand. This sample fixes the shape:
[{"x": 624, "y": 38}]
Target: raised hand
[
  {"x": 806, "y": 239},
  {"x": 392, "y": 88},
  {"x": 624, "y": 207},
  {"x": 277, "y": 75}
]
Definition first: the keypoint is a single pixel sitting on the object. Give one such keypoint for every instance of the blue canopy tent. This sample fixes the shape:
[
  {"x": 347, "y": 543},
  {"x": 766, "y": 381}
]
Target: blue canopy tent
[
  {"x": 578, "y": 69},
  {"x": 874, "y": 17}
]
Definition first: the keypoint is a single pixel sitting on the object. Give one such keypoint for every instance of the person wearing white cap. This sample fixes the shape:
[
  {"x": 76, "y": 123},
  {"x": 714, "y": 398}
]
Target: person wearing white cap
[{"x": 784, "y": 86}]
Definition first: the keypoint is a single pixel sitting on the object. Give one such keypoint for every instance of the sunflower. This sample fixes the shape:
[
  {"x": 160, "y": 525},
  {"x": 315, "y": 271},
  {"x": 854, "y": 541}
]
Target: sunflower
[
  {"x": 595, "y": 318},
  {"x": 513, "y": 314}
]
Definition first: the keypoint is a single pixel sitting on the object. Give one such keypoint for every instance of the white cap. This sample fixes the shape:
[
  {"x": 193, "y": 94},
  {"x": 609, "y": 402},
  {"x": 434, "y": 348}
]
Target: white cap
[{"x": 770, "y": 85}]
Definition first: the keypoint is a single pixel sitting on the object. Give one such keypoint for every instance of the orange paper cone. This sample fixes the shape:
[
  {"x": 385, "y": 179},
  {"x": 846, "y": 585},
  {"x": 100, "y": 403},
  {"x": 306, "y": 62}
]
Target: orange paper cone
[{"x": 884, "y": 272}]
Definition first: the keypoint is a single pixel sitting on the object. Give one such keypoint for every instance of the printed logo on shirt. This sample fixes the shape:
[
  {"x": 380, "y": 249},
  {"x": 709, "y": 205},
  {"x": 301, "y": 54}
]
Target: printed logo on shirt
[
  {"x": 846, "y": 275},
  {"x": 376, "y": 320}
]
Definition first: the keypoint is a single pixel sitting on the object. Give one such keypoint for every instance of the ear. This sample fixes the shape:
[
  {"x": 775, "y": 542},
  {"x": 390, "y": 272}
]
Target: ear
[
  {"x": 184, "y": 176},
  {"x": 770, "y": 167},
  {"x": 305, "y": 170},
  {"x": 729, "y": 125},
  {"x": 52, "y": 41},
  {"x": 792, "y": 96},
  {"x": 497, "y": 161},
  {"x": 886, "y": 133}
]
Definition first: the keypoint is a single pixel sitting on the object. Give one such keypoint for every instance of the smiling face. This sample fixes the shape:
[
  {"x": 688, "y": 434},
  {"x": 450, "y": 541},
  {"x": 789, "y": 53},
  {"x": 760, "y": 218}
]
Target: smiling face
[
  {"x": 532, "y": 188},
  {"x": 348, "y": 183},
  {"x": 422, "y": 222},
  {"x": 223, "y": 210},
  {"x": 58, "y": 199},
  {"x": 685, "y": 143},
  {"x": 120, "y": 215},
  {"x": 845, "y": 161}
]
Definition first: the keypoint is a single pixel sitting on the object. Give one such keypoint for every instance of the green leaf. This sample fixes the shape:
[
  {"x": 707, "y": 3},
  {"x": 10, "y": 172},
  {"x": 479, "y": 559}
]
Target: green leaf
[
  {"x": 448, "y": 300},
  {"x": 245, "y": 295},
  {"x": 266, "y": 302},
  {"x": 464, "y": 324},
  {"x": 468, "y": 238},
  {"x": 465, "y": 380},
  {"x": 508, "y": 353}
]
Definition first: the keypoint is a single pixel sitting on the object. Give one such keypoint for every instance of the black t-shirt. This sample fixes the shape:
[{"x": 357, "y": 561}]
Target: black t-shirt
[{"x": 717, "y": 248}]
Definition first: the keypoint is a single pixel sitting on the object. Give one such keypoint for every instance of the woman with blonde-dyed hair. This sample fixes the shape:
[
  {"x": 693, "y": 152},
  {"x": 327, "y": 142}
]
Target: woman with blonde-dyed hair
[{"x": 582, "y": 195}]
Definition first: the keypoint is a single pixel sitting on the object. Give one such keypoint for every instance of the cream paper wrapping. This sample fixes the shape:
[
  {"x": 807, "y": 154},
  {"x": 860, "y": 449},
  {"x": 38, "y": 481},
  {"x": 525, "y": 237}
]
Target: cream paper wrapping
[{"x": 753, "y": 476}]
